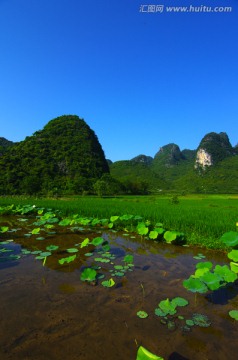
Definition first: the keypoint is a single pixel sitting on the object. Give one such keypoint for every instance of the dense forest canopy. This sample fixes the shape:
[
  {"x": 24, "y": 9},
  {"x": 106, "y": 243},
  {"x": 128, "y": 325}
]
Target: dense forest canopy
[{"x": 65, "y": 156}]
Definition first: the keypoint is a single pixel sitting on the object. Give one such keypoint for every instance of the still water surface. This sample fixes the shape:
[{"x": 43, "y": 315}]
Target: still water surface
[{"x": 47, "y": 312}]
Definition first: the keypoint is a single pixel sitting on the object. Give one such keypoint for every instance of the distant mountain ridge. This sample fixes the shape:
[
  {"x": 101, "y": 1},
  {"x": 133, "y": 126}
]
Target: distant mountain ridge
[
  {"x": 181, "y": 170},
  {"x": 212, "y": 167}
]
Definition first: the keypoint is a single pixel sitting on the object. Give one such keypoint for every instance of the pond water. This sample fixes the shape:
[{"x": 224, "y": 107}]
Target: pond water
[{"x": 47, "y": 312}]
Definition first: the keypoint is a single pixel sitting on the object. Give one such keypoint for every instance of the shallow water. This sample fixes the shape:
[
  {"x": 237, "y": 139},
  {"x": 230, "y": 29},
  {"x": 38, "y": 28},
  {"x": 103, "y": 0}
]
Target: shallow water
[{"x": 47, "y": 312}]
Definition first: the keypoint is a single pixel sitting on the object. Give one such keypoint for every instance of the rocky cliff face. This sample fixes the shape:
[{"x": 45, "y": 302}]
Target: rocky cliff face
[{"x": 212, "y": 149}]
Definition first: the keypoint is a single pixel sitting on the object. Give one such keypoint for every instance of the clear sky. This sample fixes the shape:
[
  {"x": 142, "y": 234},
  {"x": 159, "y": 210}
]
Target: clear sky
[{"x": 139, "y": 79}]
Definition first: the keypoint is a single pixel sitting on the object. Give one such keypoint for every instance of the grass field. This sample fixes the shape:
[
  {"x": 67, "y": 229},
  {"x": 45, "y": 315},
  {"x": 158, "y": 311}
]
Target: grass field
[{"x": 203, "y": 218}]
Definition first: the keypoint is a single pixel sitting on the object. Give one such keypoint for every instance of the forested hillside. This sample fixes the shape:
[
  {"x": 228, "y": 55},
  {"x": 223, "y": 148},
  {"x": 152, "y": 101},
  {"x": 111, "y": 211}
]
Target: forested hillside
[{"x": 64, "y": 157}]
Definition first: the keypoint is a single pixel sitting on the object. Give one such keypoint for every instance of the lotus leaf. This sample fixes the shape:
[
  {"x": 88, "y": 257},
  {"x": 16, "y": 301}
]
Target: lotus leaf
[
  {"x": 170, "y": 236},
  {"x": 35, "y": 231},
  {"x": 234, "y": 267},
  {"x": 234, "y": 314},
  {"x": 153, "y": 235},
  {"x": 167, "y": 307},
  {"x": 65, "y": 222},
  {"x": 118, "y": 267},
  {"x": 84, "y": 243},
  {"x": 201, "y": 320},
  {"x": 72, "y": 250},
  {"x": 142, "y": 229},
  {"x": 225, "y": 273},
  {"x": 144, "y": 354},
  {"x": 159, "y": 230},
  {"x": 128, "y": 259},
  {"x": 190, "y": 322},
  {"x": 106, "y": 247},
  {"x": 4, "y": 250},
  {"x": 212, "y": 280},
  {"x": 195, "y": 285},
  {"x": 142, "y": 314},
  {"x": 204, "y": 264},
  {"x": 179, "y": 301},
  {"x": 114, "y": 218},
  {"x": 3, "y": 229},
  {"x": 102, "y": 260},
  {"x": 118, "y": 273},
  {"x": 67, "y": 259},
  {"x": 52, "y": 247},
  {"x": 108, "y": 283},
  {"x": 200, "y": 272},
  {"x": 230, "y": 238},
  {"x": 88, "y": 274},
  {"x": 45, "y": 253},
  {"x": 159, "y": 312},
  {"x": 40, "y": 257},
  {"x": 233, "y": 255},
  {"x": 97, "y": 241}
]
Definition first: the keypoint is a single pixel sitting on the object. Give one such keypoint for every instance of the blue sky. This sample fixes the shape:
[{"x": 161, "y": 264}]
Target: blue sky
[{"x": 140, "y": 80}]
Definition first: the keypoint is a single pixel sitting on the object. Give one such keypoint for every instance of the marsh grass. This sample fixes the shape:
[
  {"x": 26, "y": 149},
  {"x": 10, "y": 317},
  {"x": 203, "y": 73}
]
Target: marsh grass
[{"x": 203, "y": 218}]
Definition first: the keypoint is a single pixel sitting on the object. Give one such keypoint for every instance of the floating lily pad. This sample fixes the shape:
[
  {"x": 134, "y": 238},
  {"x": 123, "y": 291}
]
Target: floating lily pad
[
  {"x": 190, "y": 322},
  {"x": 144, "y": 354},
  {"x": 84, "y": 243},
  {"x": 52, "y": 247},
  {"x": 142, "y": 314},
  {"x": 201, "y": 320},
  {"x": 88, "y": 254},
  {"x": 234, "y": 314},
  {"x": 233, "y": 255},
  {"x": 119, "y": 273},
  {"x": 118, "y": 267},
  {"x": 40, "y": 238},
  {"x": 36, "y": 252},
  {"x": 4, "y": 250},
  {"x": 35, "y": 231},
  {"x": 225, "y": 273},
  {"x": 230, "y": 238},
  {"x": 179, "y": 301},
  {"x": 108, "y": 283},
  {"x": 195, "y": 285},
  {"x": 211, "y": 280},
  {"x": 159, "y": 312},
  {"x": 204, "y": 264},
  {"x": 72, "y": 250},
  {"x": 128, "y": 259},
  {"x": 45, "y": 253},
  {"x": 97, "y": 241},
  {"x": 88, "y": 274},
  {"x": 67, "y": 259},
  {"x": 102, "y": 260},
  {"x": 26, "y": 252},
  {"x": 168, "y": 307},
  {"x": 234, "y": 267},
  {"x": 4, "y": 229}
]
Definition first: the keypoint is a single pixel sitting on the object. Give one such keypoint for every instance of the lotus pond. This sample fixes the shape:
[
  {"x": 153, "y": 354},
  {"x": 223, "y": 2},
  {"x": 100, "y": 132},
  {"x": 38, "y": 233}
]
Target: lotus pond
[{"x": 78, "y": 291}]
